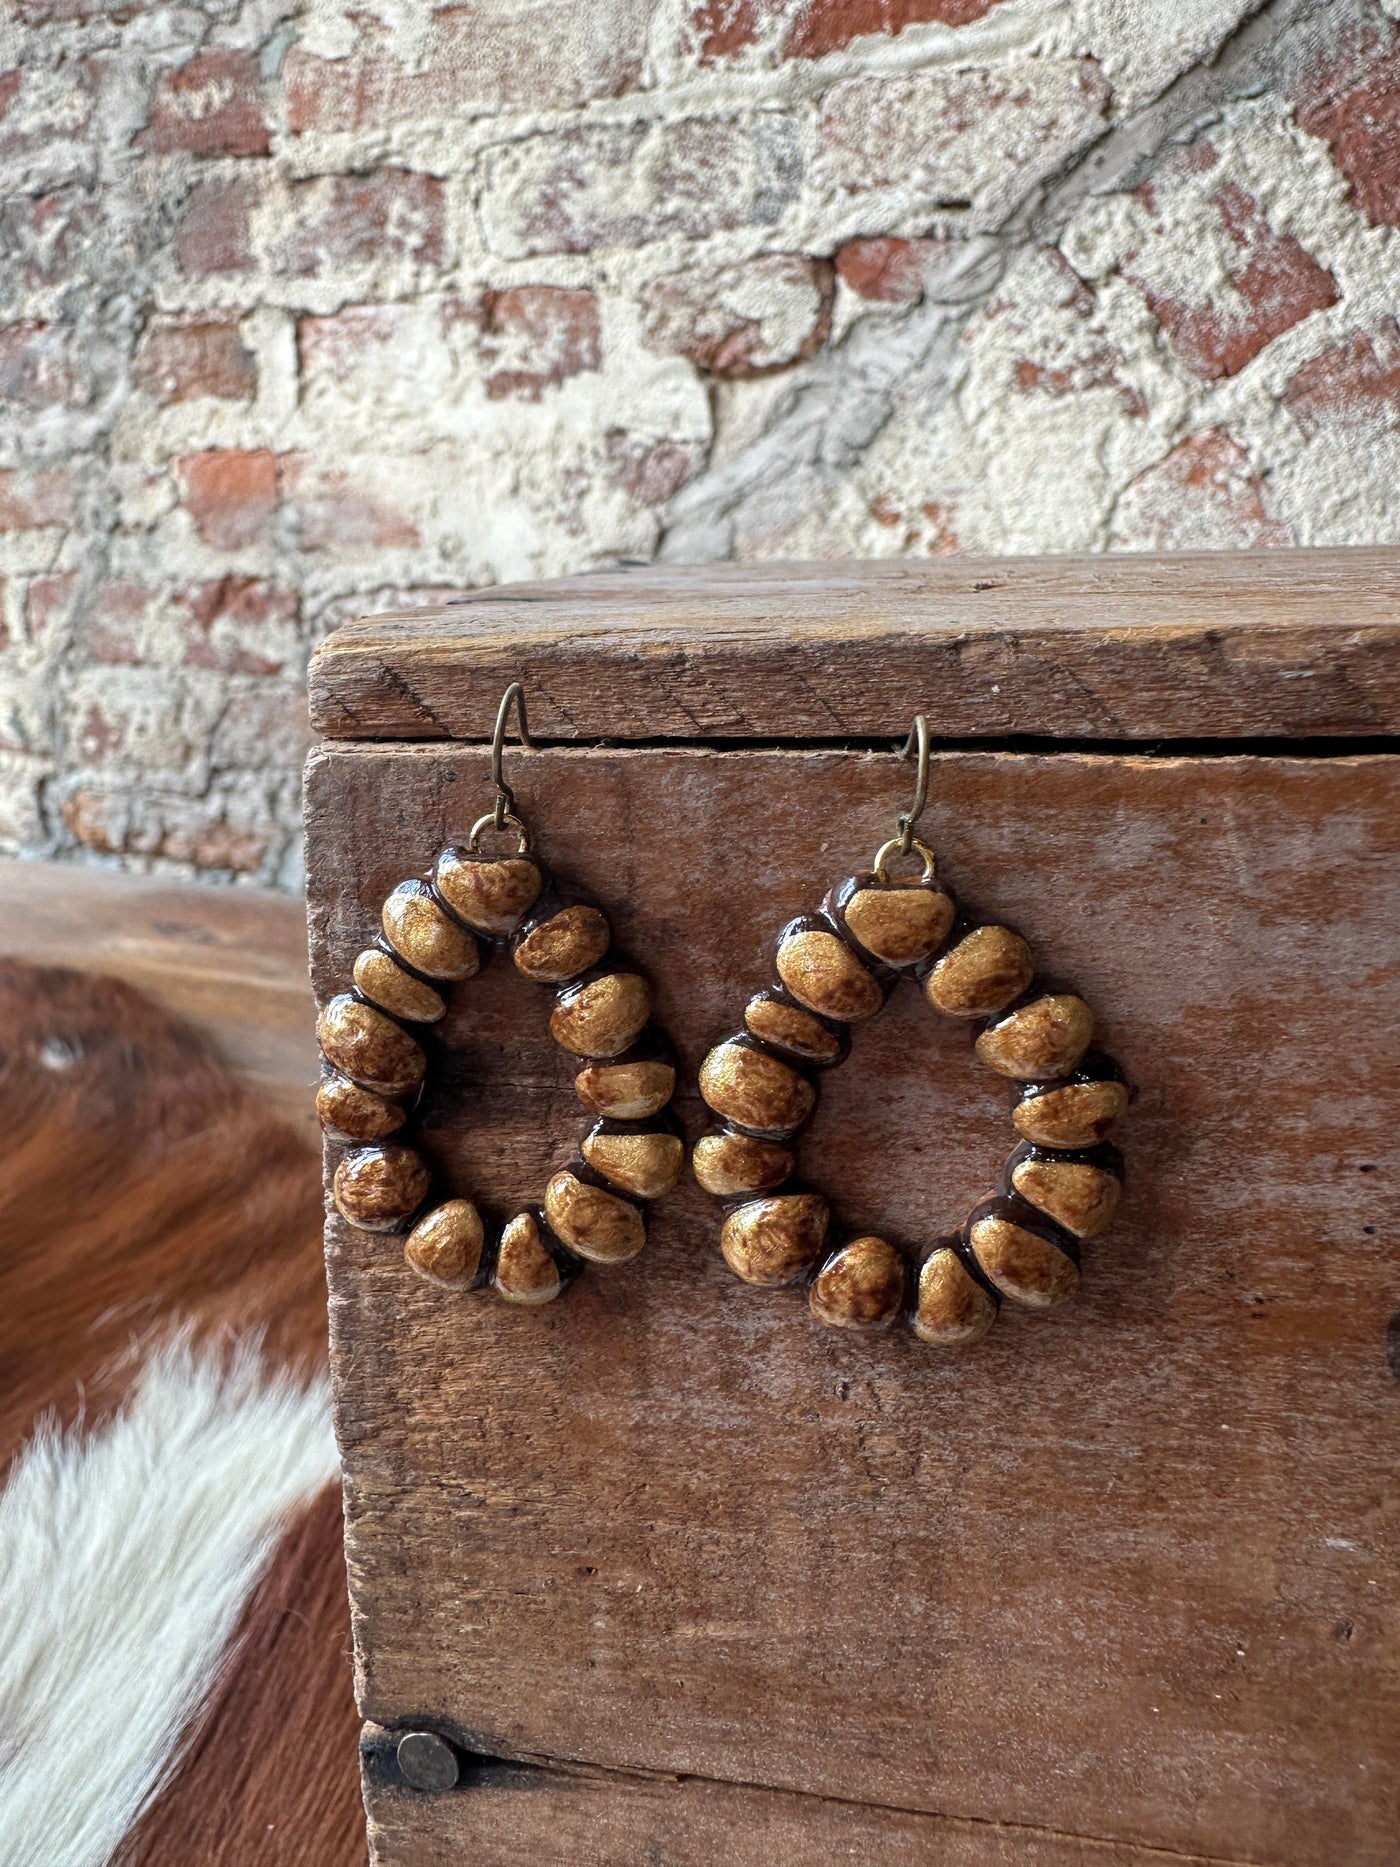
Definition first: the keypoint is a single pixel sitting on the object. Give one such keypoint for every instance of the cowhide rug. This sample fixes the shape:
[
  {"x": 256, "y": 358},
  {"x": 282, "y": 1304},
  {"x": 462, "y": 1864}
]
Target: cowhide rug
[{"x": 175, "y": 1682}]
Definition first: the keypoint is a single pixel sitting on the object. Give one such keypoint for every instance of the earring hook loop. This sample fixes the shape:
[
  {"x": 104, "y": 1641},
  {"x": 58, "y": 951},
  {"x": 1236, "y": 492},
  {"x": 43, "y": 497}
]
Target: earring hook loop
[
  {"x": 904, "y": 842},
  {"x": 505, "y": 815}
]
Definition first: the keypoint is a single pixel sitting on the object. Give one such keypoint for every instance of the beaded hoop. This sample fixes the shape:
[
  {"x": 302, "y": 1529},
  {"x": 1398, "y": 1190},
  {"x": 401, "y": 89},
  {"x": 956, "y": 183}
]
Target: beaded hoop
[
  {"x": 838, "y": 967},
  {"x": 633, "y": 1151}
]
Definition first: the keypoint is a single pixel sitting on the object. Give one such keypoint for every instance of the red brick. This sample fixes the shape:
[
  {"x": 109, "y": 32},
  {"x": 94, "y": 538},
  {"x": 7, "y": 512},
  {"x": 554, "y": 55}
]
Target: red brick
[
  {"x": 115, "y": 619},
  {"x": 535, "y": 336},
  {"x": 10, "y": 82},
  {"x": 363, "y": 220},
  {"x": 228, "y": 623},
  {"x": 215, "y": 231},
  {"x": 1356, "y": 382},
  {"x": 231, "y": 494},
  {"x": 1202, "y": 497},
  {"x": 720, "y": 28},
  {"x": 929, "y": 530},
  {"x": 104, "y": 821},
  {"x": 1362, "y": 126},
  {"x": 48, "y": 602},
  {"x": 744, "y": 320},
  {"x": 32, "y": 501},
  {"x": 824, "y": 26},
  {"x": 1074, "y": 369},
  {"x": 333, "y": 512},
  {"x": 338, "y": 343},
  {"x": 210, "y": 106},
  {"x": 651, "y": 472},
  {"x": 1276, "y": 284},
  {"x": 40, "y": 366},
  {"x": 887, "y": 270},
  {"x": 182, "y": 359}
]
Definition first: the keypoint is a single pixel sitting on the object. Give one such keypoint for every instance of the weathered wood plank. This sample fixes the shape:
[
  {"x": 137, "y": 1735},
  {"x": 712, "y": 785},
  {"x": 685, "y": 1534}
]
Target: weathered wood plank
[
  {"x": 1209, "y": 645},
  {"x": 1124, "y": 1572}
]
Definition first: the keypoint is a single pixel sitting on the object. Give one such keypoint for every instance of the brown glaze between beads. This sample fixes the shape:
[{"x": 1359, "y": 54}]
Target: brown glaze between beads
[
  {"x": 951, "y": 1307},
  {"x": 446, "y": 1245},
  {"x": 861, "y": 1286},
  {"x": 491, "y": 894},
  {"x": 421, "y": 931},
  {"x": 526, "y": 1271},
  {"x": 378, "y": 1188},
  {"x": 776, "y": 1019},
  {"x": 626, "y": 1090},
  {"x": 1077, "y": 1112},
  {"x": 754, "y": 1090},
  {"x": 730, "y": 1165},
  {"x": 825, "y": 974},
  {"x": 385, "y": 983},
  {"x": 598, "y": 1225},
  {"x": 899, "y": 923},
  {"x": 368, "y": 1047},
  {"x": 349, "y": 1113},
  {"x": 559, "y": 946},
  {"x": 1079, "y": 1191},
  {"x": 1043, "y": 1038},
  {"x": 1024, "y": 1255},
  {"x": 601, "y": 1017},
  {"x": 645, "y": 1162},
  {"x": 980, "y": 974},
  {"x": 773, "y": 1241}
]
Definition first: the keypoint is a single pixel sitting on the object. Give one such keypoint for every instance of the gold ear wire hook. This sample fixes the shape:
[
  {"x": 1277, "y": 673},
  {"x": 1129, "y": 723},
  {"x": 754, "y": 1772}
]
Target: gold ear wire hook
[
  {"x": 904, "y": 841},
  {"x": 505, "y": 815}
]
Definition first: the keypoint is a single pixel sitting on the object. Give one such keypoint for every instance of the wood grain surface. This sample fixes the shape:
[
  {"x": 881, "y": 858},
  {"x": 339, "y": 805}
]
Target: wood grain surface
[
  {"x": 1122, "y": 1578},
  {"x": 1218, "y": 645}
]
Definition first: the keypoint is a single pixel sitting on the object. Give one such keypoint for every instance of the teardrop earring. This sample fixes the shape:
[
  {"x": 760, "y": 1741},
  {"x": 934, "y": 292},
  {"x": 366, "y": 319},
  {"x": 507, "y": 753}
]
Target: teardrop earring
[
  {"x": 437, "y": 931},
  {"x": 836, "y": 968}
]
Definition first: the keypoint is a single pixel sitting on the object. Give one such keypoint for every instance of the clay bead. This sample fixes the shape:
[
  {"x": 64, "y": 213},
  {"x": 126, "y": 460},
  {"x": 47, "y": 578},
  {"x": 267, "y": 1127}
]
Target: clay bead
[
  {"x": 446, "y": 1244},
  {"x": 899, "y": 925},
  {"x": 647, "y": 1165},
  {"x": 861, "y": 1286},
  {"x": 368, "y": 1047},
  {"x": 492, "y": 894},
  {"x": 1044, "y": 1038},
  {"x": 1077, "y": 1113},
  {"x": 773, "y": 1241},
  {"x": 730, "y": 1164},
  {"x": 822, "y": 972},
  {"x": 602, "y": 1017},
  {"x": 525, "y": 1271},
  {"x": 1080, "y": 1194},
  {"x": 354, "y": 1114},
  {"x": 420, "y": 931},
  {"x": 951, "y": 1308},
  {"x": 1021, "y": 1254},
  {"x": 626, "y": 1091},
  {"x": 596, "y": 1224},
  {"x": 377, "y": 1188},
  {"x": 790, "y": 1028},
  {"x": 563, "y": 945},
  {"x": 385, "y": 982},
  {"x": 979, "y": 975},
  {"x": 753, "y": 1090}
]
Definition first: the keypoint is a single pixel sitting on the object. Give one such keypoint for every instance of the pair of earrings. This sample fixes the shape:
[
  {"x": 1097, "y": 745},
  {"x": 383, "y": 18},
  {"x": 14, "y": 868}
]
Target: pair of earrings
[{"x": 835, "y": 968}]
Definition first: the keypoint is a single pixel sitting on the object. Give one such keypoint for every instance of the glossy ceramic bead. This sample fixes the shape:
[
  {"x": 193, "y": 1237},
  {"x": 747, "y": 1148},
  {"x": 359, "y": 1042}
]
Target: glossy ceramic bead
[
  {"x": 1023, "y": 1255},
  {"x": 898, "y": 923},
  {"x": 420, "y": 931},
  {"x": 646, "y": 1164},
  {"x": 598, "y": 1225},
  {"x": 369, "y": 1048},
  {"x": 526, "y": 1272},
  {"x": 1043, "y": 1038},
  {"x": 861, "y": 1286},
  {"x": 601, "y": 1017},
  {"x": 728, "y": 1165},
  {"x": 626, "y": 1091},
  {"x": 951, "y": 1307},
  {"x": 377, "y": 1188},
  {"x": 1077, "y": 1112},
  {"x": 385, "y": 983},
  {"x": 446, "y": 1245},
  {"x": 823, "y": 974},
  {"x": 562, "y": 945},
  {"x": 349, "y": 1113},
  {"x": 748, "y": 1087},
  {"x": 492, "y": 894},
  {"x": 979, "y": 974},
  {"x": 773, "y": 1241},
  {"x": 791, "y": 1028},
  {"x": 1079, "y": 1192}
]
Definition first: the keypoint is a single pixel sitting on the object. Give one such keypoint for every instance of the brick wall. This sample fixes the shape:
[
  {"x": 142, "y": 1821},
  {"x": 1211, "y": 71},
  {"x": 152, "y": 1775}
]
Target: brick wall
[{"x": 307, "y": 310}]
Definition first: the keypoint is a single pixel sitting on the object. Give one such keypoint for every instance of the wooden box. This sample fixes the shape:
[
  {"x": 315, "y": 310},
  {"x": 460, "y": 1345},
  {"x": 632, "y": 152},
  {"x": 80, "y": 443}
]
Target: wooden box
[{"x": 690, "y": 1581}]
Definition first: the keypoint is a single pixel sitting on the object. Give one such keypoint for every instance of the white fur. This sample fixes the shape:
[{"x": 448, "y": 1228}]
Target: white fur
[{"x": 126, "y": 1556}]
